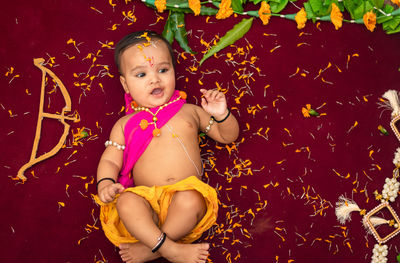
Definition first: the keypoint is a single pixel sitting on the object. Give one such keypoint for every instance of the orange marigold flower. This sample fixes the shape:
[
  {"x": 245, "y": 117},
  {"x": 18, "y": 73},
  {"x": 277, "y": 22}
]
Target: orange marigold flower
[
  {"x": 195, "y": 6},
  {"x": 264, "y": 9},
  {"x": 305, "y": 112},
  {"x": 161, "y": 5},
  {"x": 370, "y": 20},
  {"x": 225, "y": 9},
  {"x": 301, "y": 18},
  {"x": 336, "y": 16},
  {"x": 397, "y": 2}
]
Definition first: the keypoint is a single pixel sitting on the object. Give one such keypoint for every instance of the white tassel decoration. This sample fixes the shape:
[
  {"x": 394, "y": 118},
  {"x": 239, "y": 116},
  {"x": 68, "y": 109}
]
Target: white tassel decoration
[
  {"x": 396, "y": 160},
  {"x": 392, "y": 97},
  {"x": 375, "y": 221},
  {"x": 343, "y": 209}
]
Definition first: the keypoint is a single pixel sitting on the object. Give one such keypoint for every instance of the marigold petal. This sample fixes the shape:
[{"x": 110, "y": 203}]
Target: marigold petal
[
  {"x": 264, "y": 9},
  {"x": 225, "y": 10},
  {"x": 336, "y": 16},
  {"x": 301, "y": 18},
  {"x": 195, "y": 6},
  {"x": 397, "y": 2},
  {"x": 369, "y": 19},
  {"x": 161, "y": 5}
]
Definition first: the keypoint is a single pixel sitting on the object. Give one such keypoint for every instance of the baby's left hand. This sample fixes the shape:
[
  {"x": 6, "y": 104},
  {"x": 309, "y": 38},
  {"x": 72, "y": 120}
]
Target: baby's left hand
[{"x": 214, "y": 103}]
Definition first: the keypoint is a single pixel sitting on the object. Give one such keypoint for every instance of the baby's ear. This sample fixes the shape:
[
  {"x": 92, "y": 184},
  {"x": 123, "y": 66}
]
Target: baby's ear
[{"x": 123, "y": 82}]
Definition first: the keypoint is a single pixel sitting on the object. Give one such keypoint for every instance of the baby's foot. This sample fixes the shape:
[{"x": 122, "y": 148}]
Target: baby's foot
[
  {"x": 186, "y": 253},
  {"x": 136, "y": 253}
]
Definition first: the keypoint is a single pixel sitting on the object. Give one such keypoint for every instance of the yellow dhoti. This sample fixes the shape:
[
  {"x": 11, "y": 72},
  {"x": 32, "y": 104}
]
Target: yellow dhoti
[{"x": 159, "y": 197}]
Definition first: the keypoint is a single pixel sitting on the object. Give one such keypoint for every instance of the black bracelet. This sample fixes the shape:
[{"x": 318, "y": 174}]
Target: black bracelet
[
  {"x": 161, "y": 241},
  {"x": 224, "y": 119},
  {"x": 103, "y": 179}
]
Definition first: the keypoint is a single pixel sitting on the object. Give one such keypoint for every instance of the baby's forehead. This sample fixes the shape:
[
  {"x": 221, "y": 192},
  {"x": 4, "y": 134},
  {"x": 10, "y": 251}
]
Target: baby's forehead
[{"x": 147, "y": 46}]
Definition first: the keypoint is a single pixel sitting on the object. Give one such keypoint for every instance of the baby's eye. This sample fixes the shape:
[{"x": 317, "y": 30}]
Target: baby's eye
[
  {"x": 163, "y": 70},
  {"x": 140, "y": 75}
]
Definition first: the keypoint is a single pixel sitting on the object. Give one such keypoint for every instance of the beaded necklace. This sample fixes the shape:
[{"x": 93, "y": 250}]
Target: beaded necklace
[{"x": 144, "y": 123}]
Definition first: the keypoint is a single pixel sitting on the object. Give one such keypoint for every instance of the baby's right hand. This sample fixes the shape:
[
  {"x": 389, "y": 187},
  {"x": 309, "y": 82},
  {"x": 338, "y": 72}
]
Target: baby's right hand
[{"x": 107, "y": 193}]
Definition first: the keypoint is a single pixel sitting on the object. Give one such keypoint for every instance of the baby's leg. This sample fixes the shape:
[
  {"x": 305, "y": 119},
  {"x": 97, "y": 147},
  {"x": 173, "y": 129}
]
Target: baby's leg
[
  {"x": 137, "y": 216},
  {"x": 140, "y": 220},
  {"x": 187, "y": 208}
]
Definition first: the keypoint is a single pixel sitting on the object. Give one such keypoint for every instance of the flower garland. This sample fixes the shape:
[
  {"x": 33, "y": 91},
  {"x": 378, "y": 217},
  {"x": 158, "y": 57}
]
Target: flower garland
[{"x": 369, "y": 13}]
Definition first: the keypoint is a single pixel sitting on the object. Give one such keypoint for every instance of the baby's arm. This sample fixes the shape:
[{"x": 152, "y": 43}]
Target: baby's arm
[
  {"x": 214, "y": 104},
  {"x": 110, "y": 165}
]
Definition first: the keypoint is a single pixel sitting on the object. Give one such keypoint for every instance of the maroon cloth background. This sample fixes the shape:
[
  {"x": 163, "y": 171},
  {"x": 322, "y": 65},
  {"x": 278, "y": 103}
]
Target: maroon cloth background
[{"x": 35, "y": 228}]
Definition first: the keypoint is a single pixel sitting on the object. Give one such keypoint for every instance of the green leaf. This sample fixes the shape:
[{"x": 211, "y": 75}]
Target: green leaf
[
  {"x": 237, "y": 5},
  {"x": 391, "y": 24},
  {"x": 388, "y": 9},
  {"x": 277, "y": 7},
  {"x": 359, "y": 11},
  {"x": 237, "y": 32},
  {"x": 168, "y": 32},
  {"x": 310, "y": 13},
  {"x": 377, "y": 3},
  {"x": 178, "y": 25},
  {"x": 208, "y": 11},
  {"x": 398, "y": 258},
  {"x": 350, "y": 7},
  {"x": 255, "y": 1},
  {"x": 383, "y": 19},
  {"x": 316, "y": 5}
]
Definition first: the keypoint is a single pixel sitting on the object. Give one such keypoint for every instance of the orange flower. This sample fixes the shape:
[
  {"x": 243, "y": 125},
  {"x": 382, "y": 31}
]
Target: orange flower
[
  {"x": 264, "y": 9},
  {"x": 307, "y": 112},
  {"x": 161, "y": 5},
  {"x": 225, "y": 9},
  {"x": 370, "y": 20},
  {"x": 195, "y": 6},
  {"x": 397, "y": 2},
  {"x": 336, "y": 16},
  {"x": 301, "y": 18}
]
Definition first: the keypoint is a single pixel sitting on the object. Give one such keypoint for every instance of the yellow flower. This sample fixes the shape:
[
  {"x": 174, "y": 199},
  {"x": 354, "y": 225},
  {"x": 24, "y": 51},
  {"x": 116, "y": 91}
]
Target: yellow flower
[
  {"x": 336, "y": 16},
  {"x": 305, "y": 112},
  {"x": 264, "y": 8},
  {"x": 370, "y": 20},
  {"x": 397, "y": 2},
  {"x": 195, "y": 6},
  {"x": 301, "y": 19},
  {"x": 161, "y": 5},
  {"x": 225, "y": 9}
]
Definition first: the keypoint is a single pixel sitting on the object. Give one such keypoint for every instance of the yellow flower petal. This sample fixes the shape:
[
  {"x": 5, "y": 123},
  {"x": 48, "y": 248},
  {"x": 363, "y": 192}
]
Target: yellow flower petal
[
  {"x": 370, "y": 20},
  {"x": 301, "y": 18},
  {"x": 336, "y": 16},
  {"x": 397, "y": 2},
  {"x": 225, "y": 10},
  {"x": 305, "y": 112},
  {"x": 195, "y": 6},
  {"x": 264, "y": 9},
  {"x": 161, "y": 5}
]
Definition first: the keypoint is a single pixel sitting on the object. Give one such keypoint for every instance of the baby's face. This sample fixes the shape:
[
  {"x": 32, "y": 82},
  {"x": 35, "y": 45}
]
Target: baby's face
[{"x": 148, "y": 73}]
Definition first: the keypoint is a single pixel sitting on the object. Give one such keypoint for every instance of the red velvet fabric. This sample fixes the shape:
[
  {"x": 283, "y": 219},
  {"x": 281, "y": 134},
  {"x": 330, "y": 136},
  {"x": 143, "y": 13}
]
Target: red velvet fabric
[{"x": 35, "y": 227}]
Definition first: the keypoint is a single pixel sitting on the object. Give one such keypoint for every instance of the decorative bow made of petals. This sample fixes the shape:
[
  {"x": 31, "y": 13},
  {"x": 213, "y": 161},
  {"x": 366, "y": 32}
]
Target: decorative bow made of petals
[{"x": 62, "y": 117}]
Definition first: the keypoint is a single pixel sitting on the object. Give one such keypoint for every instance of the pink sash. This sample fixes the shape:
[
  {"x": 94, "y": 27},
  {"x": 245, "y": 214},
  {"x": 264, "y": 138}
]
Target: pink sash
[{"x": 137, "y": 140}]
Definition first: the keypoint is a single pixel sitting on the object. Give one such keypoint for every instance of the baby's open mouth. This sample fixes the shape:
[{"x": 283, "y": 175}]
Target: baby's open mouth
[{"x": 156, "y": 91}]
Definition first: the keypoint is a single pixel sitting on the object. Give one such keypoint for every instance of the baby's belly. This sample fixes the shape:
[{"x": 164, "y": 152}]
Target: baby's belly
[{"x": 165, "y": 171}]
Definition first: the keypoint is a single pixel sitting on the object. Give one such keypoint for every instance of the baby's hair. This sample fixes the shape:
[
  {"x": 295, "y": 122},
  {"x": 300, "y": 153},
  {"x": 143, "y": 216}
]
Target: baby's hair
[{"x": 137, "y": 38}]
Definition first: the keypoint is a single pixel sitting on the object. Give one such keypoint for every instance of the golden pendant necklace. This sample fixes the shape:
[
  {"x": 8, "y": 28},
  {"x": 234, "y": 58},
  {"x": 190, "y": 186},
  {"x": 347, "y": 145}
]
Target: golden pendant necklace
[{"x": 144, "y": 123}]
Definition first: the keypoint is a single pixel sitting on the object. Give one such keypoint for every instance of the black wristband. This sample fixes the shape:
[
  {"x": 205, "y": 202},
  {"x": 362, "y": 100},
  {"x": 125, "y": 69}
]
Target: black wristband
[
  {"x": 224, "y": 119},
  {"x": 103, "y": 179}
]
